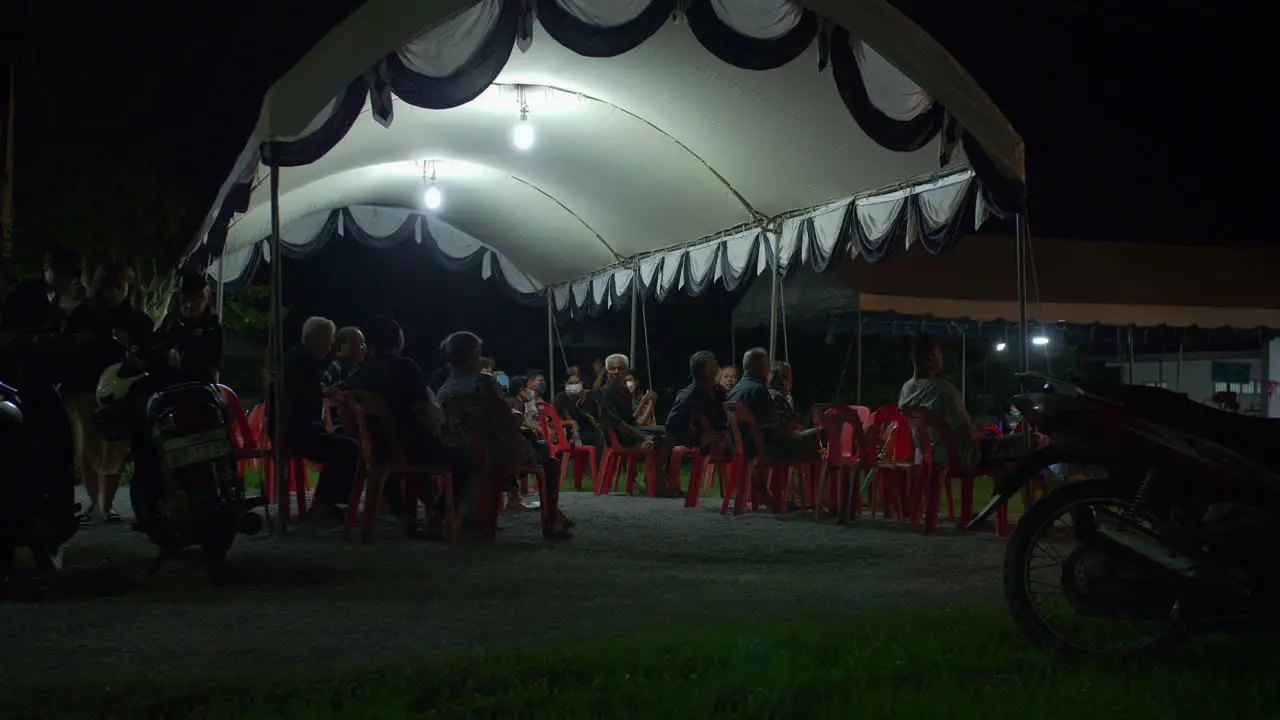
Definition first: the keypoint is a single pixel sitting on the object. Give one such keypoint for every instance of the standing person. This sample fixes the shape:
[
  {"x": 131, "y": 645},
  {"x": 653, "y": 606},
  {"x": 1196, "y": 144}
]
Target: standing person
[
  {"x": 195, "y": 331},
  {"x": 107, "y": 322},
  {"x": 350, "y": 351},
  {"x": 43, "y": 471},
  {"x": 304, "y": 432}
]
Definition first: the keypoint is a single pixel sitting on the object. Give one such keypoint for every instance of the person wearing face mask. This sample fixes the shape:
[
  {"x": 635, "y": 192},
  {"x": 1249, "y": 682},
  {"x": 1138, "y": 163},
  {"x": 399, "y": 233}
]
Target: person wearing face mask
[
  {"x": 642, "y": 403},
  {"x": 195, "y": 331},
  {"x": 107, "y": 322},
  {"x": 573, "y": 406}
]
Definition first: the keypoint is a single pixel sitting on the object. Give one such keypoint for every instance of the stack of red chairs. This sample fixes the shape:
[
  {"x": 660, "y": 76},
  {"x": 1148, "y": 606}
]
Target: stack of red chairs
[
  {"x": 848, "y": 449},
  {"x": 889, "y": 439}
]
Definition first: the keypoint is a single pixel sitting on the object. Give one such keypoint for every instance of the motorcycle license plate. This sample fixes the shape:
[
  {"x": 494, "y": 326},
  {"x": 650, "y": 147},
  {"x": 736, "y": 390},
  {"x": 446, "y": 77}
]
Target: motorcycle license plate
[{"x": 195, "y": 449}]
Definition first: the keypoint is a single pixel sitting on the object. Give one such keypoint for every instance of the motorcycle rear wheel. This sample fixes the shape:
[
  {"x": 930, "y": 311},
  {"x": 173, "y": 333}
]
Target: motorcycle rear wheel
[{"x": 1071, "y": 500}]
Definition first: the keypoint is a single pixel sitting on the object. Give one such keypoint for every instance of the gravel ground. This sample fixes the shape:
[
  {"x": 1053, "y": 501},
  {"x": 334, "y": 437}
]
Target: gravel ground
[{"x": 635, "y": 564}]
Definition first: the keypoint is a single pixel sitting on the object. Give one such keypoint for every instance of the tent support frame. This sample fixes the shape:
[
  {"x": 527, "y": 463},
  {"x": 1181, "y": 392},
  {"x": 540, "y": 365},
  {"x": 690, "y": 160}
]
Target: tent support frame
[
  {"x": 277, "y": 356},
  {"x": 551, "y": 344},
  {"x": 1024, "y": 339},
  {"x": 775, "y": 274},
  {"x": 635, "y": 307}
]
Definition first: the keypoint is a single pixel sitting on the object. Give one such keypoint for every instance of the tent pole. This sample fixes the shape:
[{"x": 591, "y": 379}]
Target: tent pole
[
  {"x": 859, "y": 396},
  {"x": 277, "y": 356},
  {"x": 773, "y": 293},
  {"x": 964, "y": 367},
  {"x": 1177, "y": 378},
  {"x": 635, "y": 303},
  {"x": 1020, "y": 251},
  {"x": 1160, "y": 368},
  {"x": 551, "y": 345},
  {"x": 222, "y": 289},
  {"x": 1130, "y": 381},
  {"x": 733, "y": 341}
]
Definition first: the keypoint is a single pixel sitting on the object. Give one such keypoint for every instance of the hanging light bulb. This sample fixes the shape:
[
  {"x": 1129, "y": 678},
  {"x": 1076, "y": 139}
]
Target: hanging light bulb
[
  {"x": 1040, "y": 340},
  {"x": 432, "y": 198},
  {"x": 522, "y": 136}
]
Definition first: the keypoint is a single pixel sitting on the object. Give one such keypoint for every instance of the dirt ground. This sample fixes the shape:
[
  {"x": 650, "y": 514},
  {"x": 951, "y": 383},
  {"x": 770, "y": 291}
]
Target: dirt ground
[{"x": 310, "y": 598}]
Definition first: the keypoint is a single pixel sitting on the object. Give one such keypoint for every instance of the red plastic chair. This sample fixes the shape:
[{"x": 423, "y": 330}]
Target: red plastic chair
[
  {"x": 718, "y": 461},
  {"x": 936, "y": 476},
  {"x": 582, "y": 457},
  {"x": 474, "y": 415},
  {"x": 358, "y": 408},
  {"x": 893, "y": 461},
  {"x": 244, "y": 439},
  {"x": 618, "y": 457},
  {"x": 299, "y": 480},
  {"x": 849, "y": 448},
  {"x": 780, "y": 471}
]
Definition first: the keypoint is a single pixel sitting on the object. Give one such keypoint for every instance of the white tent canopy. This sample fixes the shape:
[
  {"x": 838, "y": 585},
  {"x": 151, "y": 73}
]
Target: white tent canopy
[{"x": 637, "y": 157}]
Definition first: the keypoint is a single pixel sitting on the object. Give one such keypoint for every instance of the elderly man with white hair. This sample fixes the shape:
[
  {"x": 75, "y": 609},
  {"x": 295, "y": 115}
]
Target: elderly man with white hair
[
  {"x": 305, "y": 434},
  {"x": 617, "y": 413}
]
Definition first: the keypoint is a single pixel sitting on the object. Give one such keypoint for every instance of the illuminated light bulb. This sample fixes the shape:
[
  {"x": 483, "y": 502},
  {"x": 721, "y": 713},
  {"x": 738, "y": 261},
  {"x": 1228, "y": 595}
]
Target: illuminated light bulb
[
  {"x": 432, "y": 198},
  {"x": 1040, "y": 340},
  {"x": 522, "y": 136},
  {"x": 1000, "y": 347}
]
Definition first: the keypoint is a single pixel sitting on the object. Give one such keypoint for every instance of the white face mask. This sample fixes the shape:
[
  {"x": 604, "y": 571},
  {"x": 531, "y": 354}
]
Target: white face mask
[
  {"x": 573, "y": 388},
  {"x": 67, "y": 302},
  {"x": 631, "y": 386}
]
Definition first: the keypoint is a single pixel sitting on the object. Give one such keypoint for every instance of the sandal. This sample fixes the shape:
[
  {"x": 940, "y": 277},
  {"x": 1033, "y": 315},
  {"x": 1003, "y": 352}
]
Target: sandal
[
  {"x": 563, "y": 519},
  {"x": 112, "y": 516},
  {"x": 557, "y": 531},
  {"x": 86, "y": 517}
]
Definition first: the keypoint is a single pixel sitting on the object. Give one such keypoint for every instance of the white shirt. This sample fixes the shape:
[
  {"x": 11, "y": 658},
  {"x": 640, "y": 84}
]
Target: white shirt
[{"x": 943, "y": 400}]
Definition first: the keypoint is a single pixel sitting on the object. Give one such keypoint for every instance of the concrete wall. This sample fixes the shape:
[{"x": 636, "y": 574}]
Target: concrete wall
[{"x": 1197, "y": 378}]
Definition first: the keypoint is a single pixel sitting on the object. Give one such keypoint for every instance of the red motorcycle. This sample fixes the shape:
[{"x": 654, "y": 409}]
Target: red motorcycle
[{"x": 1175, "y": 534}]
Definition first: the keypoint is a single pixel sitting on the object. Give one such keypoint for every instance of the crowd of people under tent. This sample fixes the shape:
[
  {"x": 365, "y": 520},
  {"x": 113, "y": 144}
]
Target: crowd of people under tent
[{"x": 593, "y": 404}]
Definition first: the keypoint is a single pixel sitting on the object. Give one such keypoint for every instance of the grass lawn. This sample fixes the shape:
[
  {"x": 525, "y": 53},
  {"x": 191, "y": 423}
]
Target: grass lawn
[{"x": 956, "y": 664}]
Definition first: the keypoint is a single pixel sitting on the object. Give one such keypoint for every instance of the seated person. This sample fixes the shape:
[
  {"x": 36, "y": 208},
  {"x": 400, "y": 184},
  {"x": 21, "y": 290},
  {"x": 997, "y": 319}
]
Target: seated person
[
  {"x": 195, "y": 331},
  {"x": 574, "y": 406},
  {"x": 418, "y": 419},
  {"x": 522, "y": 400},
  {"x": 729, "y": 377},
  {"x": 350, "y": 349},
  {"x": 305, "y": 434},
  {"x": 782, "y": 442},
  {"x": 467, "y": 384},
  {"x": 440, "y": 374},
  {"x": 703, "y": 396},
  {"x": 926, "y": 390},
  {"x": 780, "y": 391},
  {"x": 616, "y": 411},
  {"x": 642, "y": 403}
]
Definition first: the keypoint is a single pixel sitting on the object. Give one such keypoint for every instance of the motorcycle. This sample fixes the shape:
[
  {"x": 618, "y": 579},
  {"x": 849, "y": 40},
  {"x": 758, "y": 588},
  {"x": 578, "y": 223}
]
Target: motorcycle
[
  {"x": 1173, "y": 538},
  {"x": 185, "y": 489},
  {"x": 40, "y": 517}
]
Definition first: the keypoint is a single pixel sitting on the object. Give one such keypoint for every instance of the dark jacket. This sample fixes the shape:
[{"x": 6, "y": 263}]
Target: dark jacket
[
  {"x": 102, "y": 350},
  {"x": 303, "y": 400},
  {"x": 693, "y": 400},
  {"x": 199, "y": 342}
]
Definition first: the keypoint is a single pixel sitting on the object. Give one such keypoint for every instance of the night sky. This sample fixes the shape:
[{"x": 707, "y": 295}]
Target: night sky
[{"x": 1144, "y": 121}]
